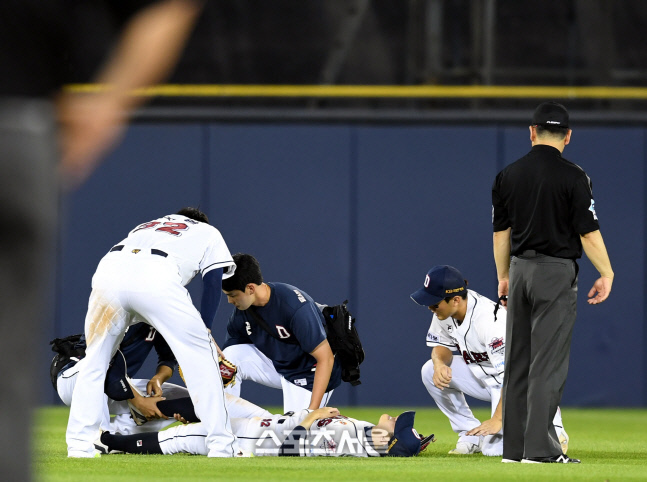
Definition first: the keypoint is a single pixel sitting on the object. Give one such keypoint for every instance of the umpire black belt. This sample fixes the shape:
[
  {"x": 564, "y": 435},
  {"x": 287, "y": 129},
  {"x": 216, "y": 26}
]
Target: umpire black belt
[{"x": 154, "y": 251}]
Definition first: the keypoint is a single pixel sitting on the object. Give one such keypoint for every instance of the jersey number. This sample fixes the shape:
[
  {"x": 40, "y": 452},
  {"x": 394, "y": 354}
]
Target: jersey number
[{"x": 170, "y": 228}]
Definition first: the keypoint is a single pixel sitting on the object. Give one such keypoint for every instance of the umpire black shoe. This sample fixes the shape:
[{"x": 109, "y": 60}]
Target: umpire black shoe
[{"x": 555, "y": 459}]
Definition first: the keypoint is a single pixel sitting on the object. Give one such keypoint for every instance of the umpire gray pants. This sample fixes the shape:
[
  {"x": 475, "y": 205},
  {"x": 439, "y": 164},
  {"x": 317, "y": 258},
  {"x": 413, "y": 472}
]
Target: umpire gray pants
[{"x": 542, "y": 305}]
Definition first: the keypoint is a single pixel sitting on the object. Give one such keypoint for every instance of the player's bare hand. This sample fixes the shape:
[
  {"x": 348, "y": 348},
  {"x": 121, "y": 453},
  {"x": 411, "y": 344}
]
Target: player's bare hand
[
  {"x": 154, "y": 387},
  {"x": 148, "y": 407},
  {"x": 503, "y": 291},
  {"x": 489, "y": 427},
  {"x": 442, "y": 376},
  {"x": 180, "y": 418},
  {"x": 325, "y": 412},
  {"x": 600, "y": 291}
]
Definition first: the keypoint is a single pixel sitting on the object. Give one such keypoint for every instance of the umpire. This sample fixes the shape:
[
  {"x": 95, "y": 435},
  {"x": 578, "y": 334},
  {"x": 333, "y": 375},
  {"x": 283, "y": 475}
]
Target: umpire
[{"x": 543, "y": 215}]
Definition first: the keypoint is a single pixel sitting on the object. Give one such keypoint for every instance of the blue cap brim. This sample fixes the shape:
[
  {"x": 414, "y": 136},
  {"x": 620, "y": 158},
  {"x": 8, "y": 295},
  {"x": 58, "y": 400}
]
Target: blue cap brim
[{"x": 425, "y": 299}]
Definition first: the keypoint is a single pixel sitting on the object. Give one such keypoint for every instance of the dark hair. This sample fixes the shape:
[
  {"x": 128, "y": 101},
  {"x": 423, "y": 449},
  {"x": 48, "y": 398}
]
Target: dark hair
[
  {"x": 247, "y": 271},
  {"x": 193, "y": 213},
  {"x": 558, "y": 132}
]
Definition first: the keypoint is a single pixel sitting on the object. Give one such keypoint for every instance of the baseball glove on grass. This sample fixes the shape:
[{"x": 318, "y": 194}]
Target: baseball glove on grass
[{"x": 227, "y": 372}]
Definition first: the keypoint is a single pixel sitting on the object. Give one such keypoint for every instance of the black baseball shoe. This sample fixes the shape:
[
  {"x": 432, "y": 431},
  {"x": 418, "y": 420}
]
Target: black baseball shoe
[
  {"x": 555, "y": 459},
  {"x": 103, "y": 448}
]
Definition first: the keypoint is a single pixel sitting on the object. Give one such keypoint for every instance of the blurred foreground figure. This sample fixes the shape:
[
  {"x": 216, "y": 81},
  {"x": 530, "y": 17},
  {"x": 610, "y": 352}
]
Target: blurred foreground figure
[{"x": 36, "y": 41}]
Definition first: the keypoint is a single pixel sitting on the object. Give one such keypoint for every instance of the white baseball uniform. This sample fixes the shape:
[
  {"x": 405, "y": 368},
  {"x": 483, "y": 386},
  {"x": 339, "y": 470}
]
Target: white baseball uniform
[
  {"x": 252, "y": 364},
  {"x": 477, "y": 371},
  {"x": 145, "y": 275},
  {"x": 263, "y": 436},
  {"x": 123, "y": 423}
]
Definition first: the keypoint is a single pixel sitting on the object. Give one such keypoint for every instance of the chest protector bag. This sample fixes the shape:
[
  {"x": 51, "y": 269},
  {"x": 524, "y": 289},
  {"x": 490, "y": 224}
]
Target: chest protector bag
[
  {"x": 344, "y": 341},
  {"x": 342, "y": 337}
]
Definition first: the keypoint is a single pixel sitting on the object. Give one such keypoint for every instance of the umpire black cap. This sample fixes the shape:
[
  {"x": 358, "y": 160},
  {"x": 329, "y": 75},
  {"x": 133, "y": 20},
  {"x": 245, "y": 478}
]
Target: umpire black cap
[{"x": 550, "y": 114}]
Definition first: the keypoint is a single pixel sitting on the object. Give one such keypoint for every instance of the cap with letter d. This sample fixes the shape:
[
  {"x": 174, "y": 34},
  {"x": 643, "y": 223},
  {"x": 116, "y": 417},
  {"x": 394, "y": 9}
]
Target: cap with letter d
[
  {"x": 550, "y": 114},
  {"x": 406, "y": 442},
  {"x": 441, "y": 282}
]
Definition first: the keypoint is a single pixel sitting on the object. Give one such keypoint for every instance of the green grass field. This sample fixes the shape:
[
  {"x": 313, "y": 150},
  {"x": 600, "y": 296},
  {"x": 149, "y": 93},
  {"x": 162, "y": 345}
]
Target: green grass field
[{"x": 611, "y": 443}]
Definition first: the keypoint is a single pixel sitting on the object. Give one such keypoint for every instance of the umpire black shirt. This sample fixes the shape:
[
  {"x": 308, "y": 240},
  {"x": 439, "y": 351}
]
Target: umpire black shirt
[{"x": 548, "y": 203}]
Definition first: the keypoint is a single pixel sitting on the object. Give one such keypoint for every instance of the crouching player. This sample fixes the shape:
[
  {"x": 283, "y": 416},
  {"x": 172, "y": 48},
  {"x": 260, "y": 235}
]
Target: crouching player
[
  {"x": 475, "y": 326},
  {"x": 306, "y": 433}
]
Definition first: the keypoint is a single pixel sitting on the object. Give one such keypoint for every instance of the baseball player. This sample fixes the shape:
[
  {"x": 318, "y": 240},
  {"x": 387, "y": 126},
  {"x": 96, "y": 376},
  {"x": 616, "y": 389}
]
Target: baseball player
[
  {"x": 466, "y": 321},
  {"x": 134, "y": 412},
  {"x": 121, "y": 389},
  {"x": 276, "y": 337},
  {"x": 306, "y": 433},
  {"x": 145, "y": 275}
]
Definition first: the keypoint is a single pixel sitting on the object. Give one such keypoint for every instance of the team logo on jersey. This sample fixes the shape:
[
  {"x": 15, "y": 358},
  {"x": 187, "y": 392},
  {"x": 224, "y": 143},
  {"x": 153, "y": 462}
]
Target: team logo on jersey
[
  {"x": 248, "y": 328},
  {"x": 300, "y": 296},
  {"x": 300, "y": 382},
  {"x": 497, "y": 345},
  {"x": 432, "y": 337},
  {"x": 283, "y": 333},
  {"x": 592, "y": 209},
  {"x": 450, "y": 328}
]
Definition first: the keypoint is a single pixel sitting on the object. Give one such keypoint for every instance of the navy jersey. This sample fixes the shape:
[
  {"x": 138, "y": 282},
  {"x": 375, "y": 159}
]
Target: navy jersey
[
  {"x": 138, "y": 342},
  {"x": 293, "y": 316}
]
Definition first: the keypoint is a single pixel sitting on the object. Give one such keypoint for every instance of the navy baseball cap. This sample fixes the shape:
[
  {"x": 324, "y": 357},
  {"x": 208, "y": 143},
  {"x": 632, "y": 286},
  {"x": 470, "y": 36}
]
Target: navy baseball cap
[
  {"x": 441, "y": 282},
  {"x": 406, "y": 442},
  {"x": 550, "y": 114}
]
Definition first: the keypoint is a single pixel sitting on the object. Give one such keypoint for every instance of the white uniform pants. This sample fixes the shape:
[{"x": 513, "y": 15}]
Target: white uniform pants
[
  {"x": 127, "y": 284},
  {"x": 123, "y": 423},
  {"x": 451, "y": 401},
  {"x": 253, "y": 365}
]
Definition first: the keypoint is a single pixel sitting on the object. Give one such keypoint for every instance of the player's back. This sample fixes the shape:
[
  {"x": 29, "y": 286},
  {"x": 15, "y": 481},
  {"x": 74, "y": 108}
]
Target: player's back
[{"x": 194, "y": 245}]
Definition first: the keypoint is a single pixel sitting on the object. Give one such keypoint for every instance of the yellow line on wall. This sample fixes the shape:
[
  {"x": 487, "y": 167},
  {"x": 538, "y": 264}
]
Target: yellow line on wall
[{"x": 381, "y": 91}]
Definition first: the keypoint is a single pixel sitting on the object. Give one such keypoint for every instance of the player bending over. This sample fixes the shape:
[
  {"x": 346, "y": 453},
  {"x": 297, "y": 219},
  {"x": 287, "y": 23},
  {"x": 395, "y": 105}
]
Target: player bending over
[
  {"x": 306, "y": 433},
  {"x": 276, "y": 337},
  {"x": 134, "y": 412}
]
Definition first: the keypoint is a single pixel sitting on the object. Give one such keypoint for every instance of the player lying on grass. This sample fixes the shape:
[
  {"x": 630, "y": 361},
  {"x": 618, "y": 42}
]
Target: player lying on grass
[
  {"x": 306, "y": 433},
  {"x": 464, "y": 320}
]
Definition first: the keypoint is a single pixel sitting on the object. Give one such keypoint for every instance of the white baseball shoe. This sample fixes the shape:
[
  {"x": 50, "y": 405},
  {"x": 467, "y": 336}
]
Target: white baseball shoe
[
  {"x": 77, "y": 454},
  {"x": 138, "y": 417},
  {"x": 465, "y": 448},
  {"x": 563, "y": 441}
]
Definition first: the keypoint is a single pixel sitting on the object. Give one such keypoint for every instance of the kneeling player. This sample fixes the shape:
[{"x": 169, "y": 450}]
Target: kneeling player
[
  {"x": 475, "y": 325},
  {"x": 322, "y": 432}
]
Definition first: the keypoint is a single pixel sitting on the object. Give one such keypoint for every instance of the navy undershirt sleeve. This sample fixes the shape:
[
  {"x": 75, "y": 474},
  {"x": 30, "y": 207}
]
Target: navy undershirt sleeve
[
  {"x": 291, "y": 446},
  {"x": 211, "y": 293}
]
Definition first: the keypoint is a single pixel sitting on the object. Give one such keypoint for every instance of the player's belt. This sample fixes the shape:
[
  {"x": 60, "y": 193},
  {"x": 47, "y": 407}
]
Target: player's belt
[{"x": 157, "y": 252}]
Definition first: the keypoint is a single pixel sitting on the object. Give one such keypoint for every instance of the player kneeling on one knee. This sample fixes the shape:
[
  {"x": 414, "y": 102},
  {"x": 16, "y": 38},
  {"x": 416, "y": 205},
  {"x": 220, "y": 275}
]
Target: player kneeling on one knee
[
  {"x": 474, "y": 325},
  {"x": 276, "y": 337}
]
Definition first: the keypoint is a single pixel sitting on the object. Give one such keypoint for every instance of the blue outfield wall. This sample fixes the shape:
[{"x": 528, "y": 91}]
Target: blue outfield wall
[{"x": 361, "y": 212}]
